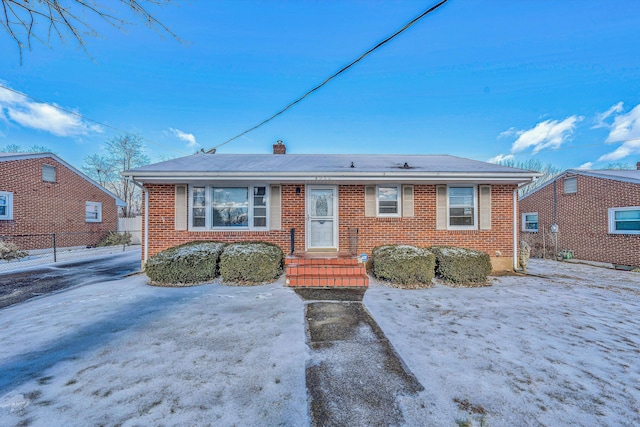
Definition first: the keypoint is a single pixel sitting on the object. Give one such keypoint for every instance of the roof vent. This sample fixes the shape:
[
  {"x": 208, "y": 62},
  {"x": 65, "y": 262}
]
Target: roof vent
[
  {"x": 353, "y": 166},
  {"x": 406, "y": 166}
]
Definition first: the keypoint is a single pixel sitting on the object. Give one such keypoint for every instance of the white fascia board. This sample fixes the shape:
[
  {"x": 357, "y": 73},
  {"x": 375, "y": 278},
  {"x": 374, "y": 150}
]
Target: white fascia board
[{"x": 310, "y": 177}]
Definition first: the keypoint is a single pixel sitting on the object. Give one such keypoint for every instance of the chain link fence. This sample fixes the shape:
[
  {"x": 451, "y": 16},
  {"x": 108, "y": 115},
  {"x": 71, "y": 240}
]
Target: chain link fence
[
  {"x": 545, "y": 244},
  {"x": 26, "y": 250}
]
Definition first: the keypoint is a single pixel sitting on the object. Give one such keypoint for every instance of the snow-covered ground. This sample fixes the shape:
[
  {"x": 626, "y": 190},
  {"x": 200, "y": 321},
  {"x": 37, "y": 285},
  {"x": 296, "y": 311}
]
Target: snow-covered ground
[
  {"x": 563, "y": 349},
  {"x": 558, "y": 350}
]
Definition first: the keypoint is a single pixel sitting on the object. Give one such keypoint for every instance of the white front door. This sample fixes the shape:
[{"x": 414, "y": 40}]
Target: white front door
[{"x": 322, "y": 215}]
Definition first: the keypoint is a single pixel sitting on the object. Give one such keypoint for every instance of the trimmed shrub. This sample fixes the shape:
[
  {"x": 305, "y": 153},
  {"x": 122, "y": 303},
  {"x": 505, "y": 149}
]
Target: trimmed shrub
[
  {"x": 403, "y": 265},
  {"x": 191, "y": 263},
  {"x": 10, "y": 251},
  {"x": 251, "y": 262},
  {"x": 115, "y": 239},
  {"x": 461, "y": 266}
]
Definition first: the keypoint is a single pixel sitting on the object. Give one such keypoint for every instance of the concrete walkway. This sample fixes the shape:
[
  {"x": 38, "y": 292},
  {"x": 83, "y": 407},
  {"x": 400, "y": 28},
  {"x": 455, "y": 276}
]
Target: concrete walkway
[{"x": 354, "y": 376}]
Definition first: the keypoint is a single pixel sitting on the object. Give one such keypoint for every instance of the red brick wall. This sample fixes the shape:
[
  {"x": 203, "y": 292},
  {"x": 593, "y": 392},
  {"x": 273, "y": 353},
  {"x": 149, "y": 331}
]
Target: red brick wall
[
  {"x": 583, "y": 218},
  {"x": 51, "y": 207},
  {"x": 419, "y": 230}
]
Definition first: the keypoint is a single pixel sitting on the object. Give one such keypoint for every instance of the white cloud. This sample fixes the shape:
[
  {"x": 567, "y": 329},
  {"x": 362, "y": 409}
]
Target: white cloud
[
  {"x": 17, "y": 108},
  {"x": 501, "y": 158},
  {"x": 188, "y": 137},
  {"x": 600, "y": 118},
  {"x": 586, "y": 166},
  {"x": 546, "y": 134},
  {"x": 625, "y": 129}
]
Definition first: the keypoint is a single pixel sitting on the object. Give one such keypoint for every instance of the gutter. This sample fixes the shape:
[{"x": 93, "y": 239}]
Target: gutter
[{"x": 146, "y": 218}]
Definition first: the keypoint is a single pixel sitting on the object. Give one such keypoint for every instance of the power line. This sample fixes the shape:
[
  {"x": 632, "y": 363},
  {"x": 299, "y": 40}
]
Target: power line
[
  {"x": 336, "y": 74},
  {"x": 87, "y": 118}
]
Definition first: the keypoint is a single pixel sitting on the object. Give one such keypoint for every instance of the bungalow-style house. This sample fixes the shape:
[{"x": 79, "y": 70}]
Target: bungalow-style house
[
  {"x": 595, "y": 214},
  {"x": 41, "y": 194},
  {"x": 328, "y": 205}
]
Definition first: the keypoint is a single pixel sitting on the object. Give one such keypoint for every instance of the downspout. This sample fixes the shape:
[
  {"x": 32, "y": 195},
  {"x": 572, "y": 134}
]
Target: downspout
[
  {"x": 146, "y": 218},
  {"x": 515, "y": 229}
]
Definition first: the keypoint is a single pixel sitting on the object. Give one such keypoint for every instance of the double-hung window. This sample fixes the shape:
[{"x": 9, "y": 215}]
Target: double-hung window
[
  {"x": 6, "y": 205},
  {"x": 227, "y": 207},
  {"x": 93, "y": 212},
  {"x": 462, "y": 207},
  {"x": 388, "y": 200},
  {"x": 530, "y": 221},
  {"x": 624, "y": 220}
]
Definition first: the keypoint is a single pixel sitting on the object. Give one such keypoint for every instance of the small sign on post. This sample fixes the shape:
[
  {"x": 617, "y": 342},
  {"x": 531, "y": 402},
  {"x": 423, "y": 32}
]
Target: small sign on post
[{"x": 363, "y": 258}]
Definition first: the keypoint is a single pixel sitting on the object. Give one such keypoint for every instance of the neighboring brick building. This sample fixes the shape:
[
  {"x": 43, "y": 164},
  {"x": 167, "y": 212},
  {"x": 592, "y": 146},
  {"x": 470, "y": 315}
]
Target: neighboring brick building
[
  {"x": 42, "y": 194},
  {"x": 388, "y": 199},
  {"x": 597, "y": 213}
]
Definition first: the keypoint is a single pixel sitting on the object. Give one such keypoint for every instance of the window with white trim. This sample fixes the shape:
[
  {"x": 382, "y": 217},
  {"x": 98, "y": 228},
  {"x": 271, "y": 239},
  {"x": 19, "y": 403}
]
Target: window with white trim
[
  {"x": 48, "y": 173},
  {"x": 624, "y": 220},
  {"x": 388, "y": 200},
  {"x": 6, "y": 205},
  {"x": 530, "y": 221},
  {"x": 462, "y": 207},
  {"x": 93, "y": 212},
  {"x": 226, "y": 207}
]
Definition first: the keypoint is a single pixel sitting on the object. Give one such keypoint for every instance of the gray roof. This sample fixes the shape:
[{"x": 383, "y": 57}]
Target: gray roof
[
  {"x": 5, "y": 157},
  {"x": 327, "y": 167}
]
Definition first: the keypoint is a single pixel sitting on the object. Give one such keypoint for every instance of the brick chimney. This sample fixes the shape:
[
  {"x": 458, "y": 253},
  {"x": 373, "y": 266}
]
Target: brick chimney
[{"x": 279, "y": 148}]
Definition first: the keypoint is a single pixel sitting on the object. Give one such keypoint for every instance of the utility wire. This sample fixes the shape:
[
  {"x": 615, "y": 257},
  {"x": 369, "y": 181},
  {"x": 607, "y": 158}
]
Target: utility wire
[
  {"x": 87, "y": 118},
  {"x": 345, "y": 68}
]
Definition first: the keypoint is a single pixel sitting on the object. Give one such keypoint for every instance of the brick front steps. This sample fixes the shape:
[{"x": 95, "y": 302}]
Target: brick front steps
[{"x": 325, "y": 272}]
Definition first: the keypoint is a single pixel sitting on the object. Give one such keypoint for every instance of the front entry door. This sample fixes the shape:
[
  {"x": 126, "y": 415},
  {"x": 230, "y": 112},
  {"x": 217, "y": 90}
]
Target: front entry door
[{"x": 322, "y": 217}]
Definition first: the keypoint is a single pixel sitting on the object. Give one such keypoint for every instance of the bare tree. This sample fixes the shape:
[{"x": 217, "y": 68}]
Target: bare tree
[
  {"x": 620, "y": 166},
  {"x": 42, "y": 20},
  {"x": 15, "y": 148},
  {"x": 123, "y": 152},
  {"x": 548, "y": 171}
]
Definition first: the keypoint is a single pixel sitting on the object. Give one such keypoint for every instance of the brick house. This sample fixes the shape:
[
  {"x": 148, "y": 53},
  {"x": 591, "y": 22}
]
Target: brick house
[
  {"x": 332, "y": 204},
  {"x": 41, "y": 194},
  {"x": 597, "y": 213}
]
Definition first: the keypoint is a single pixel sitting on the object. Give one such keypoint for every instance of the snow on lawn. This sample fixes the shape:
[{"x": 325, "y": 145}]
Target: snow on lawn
[
  {"x": 563, "y": 349},
  {"x": 125, "y": 353}
]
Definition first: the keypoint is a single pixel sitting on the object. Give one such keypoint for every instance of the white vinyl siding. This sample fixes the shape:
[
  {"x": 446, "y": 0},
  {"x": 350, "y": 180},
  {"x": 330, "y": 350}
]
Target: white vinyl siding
[
  {"x": 624, "y": 220},
  {"x": 6, "y": 205},
  {"x": 530, "y": 221}
]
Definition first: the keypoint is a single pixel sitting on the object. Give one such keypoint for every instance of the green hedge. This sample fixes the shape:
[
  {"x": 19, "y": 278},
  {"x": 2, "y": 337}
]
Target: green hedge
[
  {"x": 191, "y": 263},
  {"x": 461, "y": 266},
  {"x": 251, "y": 262},
  {"x": 403, "y": 265}
]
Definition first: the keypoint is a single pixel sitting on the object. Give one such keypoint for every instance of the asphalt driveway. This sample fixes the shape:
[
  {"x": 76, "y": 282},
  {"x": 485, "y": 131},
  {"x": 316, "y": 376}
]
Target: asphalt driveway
[{"x": 16, "y": 287}]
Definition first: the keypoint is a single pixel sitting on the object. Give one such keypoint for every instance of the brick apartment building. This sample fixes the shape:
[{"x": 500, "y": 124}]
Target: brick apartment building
[
  {"x": 389, "y": 199},
  {"x": 41, "y": 194},
  {"x": 597, "y": 213}
]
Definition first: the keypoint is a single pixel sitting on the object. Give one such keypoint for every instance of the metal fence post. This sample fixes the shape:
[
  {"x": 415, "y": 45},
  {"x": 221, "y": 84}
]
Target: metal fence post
[{"x": 54, "y": 247}]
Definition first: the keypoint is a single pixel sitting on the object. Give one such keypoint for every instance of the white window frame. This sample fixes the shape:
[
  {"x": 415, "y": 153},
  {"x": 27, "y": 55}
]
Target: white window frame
[
  {"x": 398, "y": 188},
  {"x": 475, "y": 208},
  {"x": 9, "y": 211},
  {"x": 524, "y": 222},
  {"x": 208, "y": 207},
  {"x": 50, "y": 168},
  {"x": 612, "y": 220},
  {"x": 99, "y": 205}
]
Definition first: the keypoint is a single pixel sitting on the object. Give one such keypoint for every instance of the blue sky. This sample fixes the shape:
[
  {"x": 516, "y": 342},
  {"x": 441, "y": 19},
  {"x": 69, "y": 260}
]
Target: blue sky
[{"x": 554, "y": 80}]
